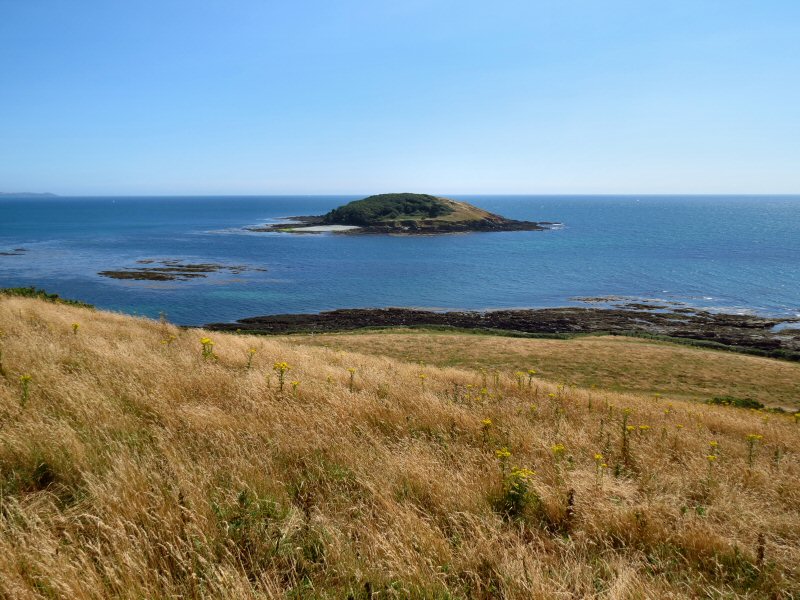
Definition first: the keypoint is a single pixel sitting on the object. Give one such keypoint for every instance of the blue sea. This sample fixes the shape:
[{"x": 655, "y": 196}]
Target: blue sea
[{"x": 730, "y": 254}]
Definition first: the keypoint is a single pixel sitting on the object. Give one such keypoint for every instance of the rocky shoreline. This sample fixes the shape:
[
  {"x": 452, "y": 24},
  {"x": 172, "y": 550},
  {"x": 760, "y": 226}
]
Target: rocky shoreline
[
  {"x": 307, "y": 225},
  {"x": 744, "y": 333}
]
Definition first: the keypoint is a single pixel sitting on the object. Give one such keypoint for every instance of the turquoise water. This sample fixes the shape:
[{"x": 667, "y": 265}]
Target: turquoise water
[{"x": 724, "y": 253}]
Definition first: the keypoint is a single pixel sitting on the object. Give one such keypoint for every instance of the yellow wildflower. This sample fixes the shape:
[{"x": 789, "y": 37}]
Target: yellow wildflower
[
  {"x": 518, "y": 473},
  {"x": 502, "y": 453}
]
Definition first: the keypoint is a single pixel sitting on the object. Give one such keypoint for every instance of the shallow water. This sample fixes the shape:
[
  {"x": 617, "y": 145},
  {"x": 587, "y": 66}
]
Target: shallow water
[{"x": 732, "y": 254}]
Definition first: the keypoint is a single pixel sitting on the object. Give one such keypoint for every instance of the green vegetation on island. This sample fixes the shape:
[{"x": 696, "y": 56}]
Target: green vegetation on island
[{"x": 389, "y": 207}]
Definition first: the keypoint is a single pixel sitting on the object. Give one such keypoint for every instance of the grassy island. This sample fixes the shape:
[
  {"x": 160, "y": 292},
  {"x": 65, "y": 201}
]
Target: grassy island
[
  {"x": 389, "y": 208},
  {"x": 142, "y": 460},
  {"x": 406, "y": 213}
]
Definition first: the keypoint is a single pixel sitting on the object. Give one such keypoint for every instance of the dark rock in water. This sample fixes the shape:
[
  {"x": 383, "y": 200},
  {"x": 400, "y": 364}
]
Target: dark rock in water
[
  {"x": 738, "y": 332},
  {"x": 643, "y": 306},
  {"x": 173, "y": 270},
  {"x": 146, "y": 275},
  {"x": 14, "y": 252}
]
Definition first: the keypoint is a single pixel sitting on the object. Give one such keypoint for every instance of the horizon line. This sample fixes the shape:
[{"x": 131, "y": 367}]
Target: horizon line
[{"x": 44, "y": 195}]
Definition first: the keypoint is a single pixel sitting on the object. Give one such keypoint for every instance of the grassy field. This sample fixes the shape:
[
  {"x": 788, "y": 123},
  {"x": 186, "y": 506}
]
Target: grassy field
[
  {"x": 138, "y": 462},
  {"x": 609, "y": 362}
]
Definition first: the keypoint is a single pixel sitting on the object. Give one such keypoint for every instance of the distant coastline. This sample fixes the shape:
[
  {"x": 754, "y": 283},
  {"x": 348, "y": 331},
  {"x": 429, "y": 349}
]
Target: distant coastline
[{"x": 27, "y": 195}]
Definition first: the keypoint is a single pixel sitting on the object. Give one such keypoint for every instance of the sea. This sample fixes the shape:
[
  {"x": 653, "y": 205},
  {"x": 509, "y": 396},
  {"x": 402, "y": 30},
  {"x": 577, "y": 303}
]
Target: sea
[{"x": 734, "y": 254}]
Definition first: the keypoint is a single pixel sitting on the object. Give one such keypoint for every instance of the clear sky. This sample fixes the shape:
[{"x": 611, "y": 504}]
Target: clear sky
[{"x": 367, "y": 96}]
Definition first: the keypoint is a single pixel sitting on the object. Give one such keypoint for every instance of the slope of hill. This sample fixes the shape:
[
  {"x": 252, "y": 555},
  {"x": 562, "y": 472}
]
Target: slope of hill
[
  {"x": 391, "y": 209},
  {"x": 131, "y": 465},
  {"x": 619, "y": 363}
]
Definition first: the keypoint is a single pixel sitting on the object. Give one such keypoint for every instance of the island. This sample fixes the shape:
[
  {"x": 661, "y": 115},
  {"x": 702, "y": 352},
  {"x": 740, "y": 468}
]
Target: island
[{"x": 404, "y": 213}]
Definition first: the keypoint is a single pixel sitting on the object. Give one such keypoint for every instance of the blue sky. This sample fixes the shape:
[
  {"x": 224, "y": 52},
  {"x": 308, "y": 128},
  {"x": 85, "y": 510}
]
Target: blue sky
[{"x": 357, "y": 96}]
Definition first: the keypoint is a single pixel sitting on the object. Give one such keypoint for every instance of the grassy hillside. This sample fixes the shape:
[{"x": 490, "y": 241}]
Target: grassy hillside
[
  {"x": 610, "y": 362},
  {"x": 132, "y": 466},
  {"x": 390, "y": 208}
]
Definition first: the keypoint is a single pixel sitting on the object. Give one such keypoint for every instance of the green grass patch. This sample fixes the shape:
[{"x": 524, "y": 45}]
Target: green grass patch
[{"x": 32, "y": 292}]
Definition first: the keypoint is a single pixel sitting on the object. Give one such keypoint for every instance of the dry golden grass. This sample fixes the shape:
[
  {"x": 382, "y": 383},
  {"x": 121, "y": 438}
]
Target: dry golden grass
[
  {"x": 137, "y": 469},
  {"x": 610, "y": 362}
]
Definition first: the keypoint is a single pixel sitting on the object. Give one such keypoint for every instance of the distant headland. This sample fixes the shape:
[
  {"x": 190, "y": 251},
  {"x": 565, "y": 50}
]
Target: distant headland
[
  {"x": 403, "y": 214},
  {"x": 27, "y": 195}
]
